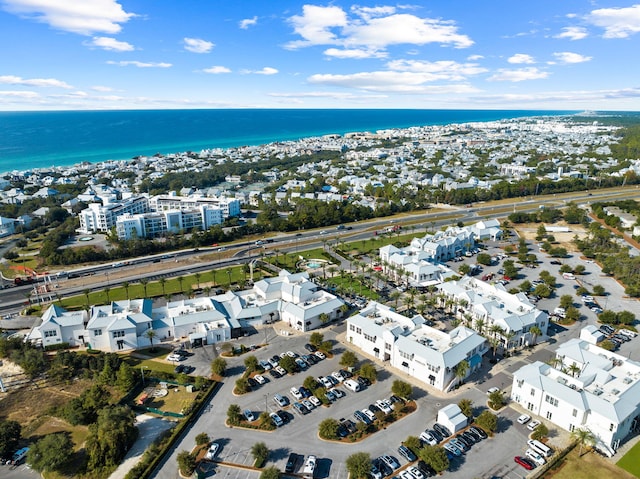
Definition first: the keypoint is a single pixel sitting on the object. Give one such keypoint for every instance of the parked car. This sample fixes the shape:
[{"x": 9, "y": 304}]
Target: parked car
[
  {"x": 320, "y": 355},
  {"x": 360, "y": 416},
  {"x": 330, "y": 395},
  {"x": 339, "y": 393},
  {"x": 478, "y": 431},
  {"x": 369, "y": 413},
  {"x": 315, "y": 401},
  {"x": 325, "y": 381},
  {"x": 492, "y": 390},
  {"x": 310, "y": 347},
  {"x": 260, "y": 379},
  {"x": 428, "y": 438},
  {"x": 214, "y": 447},
  {"x": 292, "y": 460},
  {"x": 407, "y": 453},
  {"x": 276, "y": 419},
  {"x": 524, "y": 462},
  {"x": 384, "y": 406},
  {"x": 295, "y": 392},
  {"x": 300, "y": 408},
  {"x": 390, "y": 461},
  {"x": 264, "y": 364},
  {"x": 523, "y": 419},
  {"x": 442, "y": 430},
  {"x": 533, "y": 424},
  {"x": 415, "y": 472},
  {"x": 308, "y": 404},
  {"x": 248, "y": 414},
  {"x": 535, "y": 457},
  {"x": 280, "y": 400}
]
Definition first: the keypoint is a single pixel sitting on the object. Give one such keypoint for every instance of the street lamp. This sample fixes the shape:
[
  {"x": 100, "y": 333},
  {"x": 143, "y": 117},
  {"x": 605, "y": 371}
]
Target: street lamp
[
  {"x": 265, "y": 403},
  {"x": 142, "y": 368}
]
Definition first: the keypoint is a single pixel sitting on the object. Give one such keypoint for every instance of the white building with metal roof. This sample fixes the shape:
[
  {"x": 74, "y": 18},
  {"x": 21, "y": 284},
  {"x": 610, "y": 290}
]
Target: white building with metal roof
[
  {"x": 413, "y": 347},
  {"x": 588, "y": 387}
]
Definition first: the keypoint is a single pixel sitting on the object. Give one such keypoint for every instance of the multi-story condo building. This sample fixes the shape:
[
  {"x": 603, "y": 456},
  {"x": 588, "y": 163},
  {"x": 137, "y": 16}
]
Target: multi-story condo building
[
  {"x": 159, "y": 223},
  {"x": 586, "y": 387},
  {"x": 491, "y": 309},
  {"x": 410, "y": 345},
  {"x": 98, "y": 217},
  {"x": 229, "y": 206}
]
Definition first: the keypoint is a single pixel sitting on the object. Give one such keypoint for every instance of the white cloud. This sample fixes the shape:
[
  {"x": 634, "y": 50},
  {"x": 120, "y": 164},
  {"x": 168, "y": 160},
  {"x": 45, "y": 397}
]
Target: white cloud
[
  {"x": 375, "y": 29},
  {"x": 529, "y": 73},
  {"x": 197, "y": 45},
  {"x": 18, "y": 94},
  {"x": 561, "y": 96},
  {"x": 519, "y": 58},
  {"x": 573, "y": 33},
  {"x": 266, "y": 71},
  {"x": 441, "y": 70},
  {"x": 102, "y": 88},
  {"x": 353, "y": 53},
  {"x": 248, "y": 22},
  {"x": 37, "y": 82},
  {"x": 616, "y": 22},
  {"x": 473, "y": 58},
  {"x": 107, "y": 43},
  {"x": 391, "y": 81},
  {"x": 217, "y": 69},
  {"x": 570, "y": 57},
  {"x": 324, "y": 94},
  {"x": 84, "y": 17},
  {"x": 140, "y": 64}
]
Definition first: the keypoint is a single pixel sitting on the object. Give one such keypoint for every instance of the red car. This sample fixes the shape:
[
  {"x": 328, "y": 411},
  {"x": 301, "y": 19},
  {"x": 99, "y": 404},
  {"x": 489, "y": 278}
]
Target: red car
[{"x": 524, "y": 462}]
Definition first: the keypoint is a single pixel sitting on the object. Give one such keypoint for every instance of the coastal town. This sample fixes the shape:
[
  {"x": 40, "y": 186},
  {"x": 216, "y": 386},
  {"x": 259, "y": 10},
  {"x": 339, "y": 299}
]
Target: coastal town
[{"x": 473, "y": 338}]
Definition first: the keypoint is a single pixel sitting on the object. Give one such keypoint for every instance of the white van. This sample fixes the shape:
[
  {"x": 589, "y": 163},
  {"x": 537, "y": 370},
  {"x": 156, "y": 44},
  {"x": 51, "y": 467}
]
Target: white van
[
  {"x": 540, "y": 448},
  {"x": 535, "y": 457},
  {"x": 568, "y": 276},
  {"x": 560, "y": 312},
  {"x": 352, "y": 385}
]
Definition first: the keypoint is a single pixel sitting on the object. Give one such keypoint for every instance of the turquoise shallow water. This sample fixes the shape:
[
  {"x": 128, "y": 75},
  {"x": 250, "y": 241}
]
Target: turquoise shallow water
[{"x": 61, "y": 138}]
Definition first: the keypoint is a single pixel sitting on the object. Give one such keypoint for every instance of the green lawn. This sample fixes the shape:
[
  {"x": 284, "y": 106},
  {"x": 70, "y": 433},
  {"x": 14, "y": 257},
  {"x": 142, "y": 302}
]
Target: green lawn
[
  {"x": 631, "y": 460},
  {"x": 588, "y": 466}
]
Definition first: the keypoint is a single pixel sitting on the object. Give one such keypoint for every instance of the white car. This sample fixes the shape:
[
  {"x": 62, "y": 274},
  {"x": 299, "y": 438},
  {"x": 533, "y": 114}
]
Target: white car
[
  {"x": 260, "y": 379},
  {"x": 281, "y": 370},
  {"x": 535, "y": 457},
  {"x": 175, "y": 357},
  {"x": 338, "y": 375},
  {"x": 427, "y": 437},
  {"x": 523, "y": 419},
  {"x": 248, "y": 414},
  {"x": 415, "y": 472},
  {"x": 295, "y": 392},
  {"x": 369, "y": 413},
  {"x": 326, "y": 382},
  {"x": 291, "y": 354},
  {"x": 384, "y": 406},
  {"x": 405, "y": 475},
  {"x": 320, "y": 355},
  {"x": 492, "y": 390},
  {"x": 315, "y": 401},
  {"x": 533, "y": 424},
  {"x": 213, "y": 450}
]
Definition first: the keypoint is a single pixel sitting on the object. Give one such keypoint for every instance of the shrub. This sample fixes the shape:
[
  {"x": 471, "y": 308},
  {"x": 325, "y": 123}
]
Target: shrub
[{"x": 487, "y": 421}]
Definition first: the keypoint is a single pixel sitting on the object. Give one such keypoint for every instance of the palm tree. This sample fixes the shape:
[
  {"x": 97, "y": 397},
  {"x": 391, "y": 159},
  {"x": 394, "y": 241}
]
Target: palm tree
[
  {"x": 180, "y": 280},
  {"x": 107, "y": 290},
  {"x": 150, "y": 334},
  {"x": 584, "y": 437},
  {"x": 535, "y": 331},
  {"x": 494, "y": 343},
  {"x": 207, "y": 290},
  {"x": 324, "y": 317},
  {"x": 461, "y": 370},
  {"x": 125, "y": 285},
  {"x": 197, "y": 276},
  {"x": 213, "y": 274},
  {"x": 163, "y": 282},
  {"x": 555, "y": 362},
  {"x": 574, "y": 369},
  {"x": 229, "y": 276},
  {"x": 86, "y": 295},
  {"x": 395, "y": 296},
  {"x": 144, "y": 282}
]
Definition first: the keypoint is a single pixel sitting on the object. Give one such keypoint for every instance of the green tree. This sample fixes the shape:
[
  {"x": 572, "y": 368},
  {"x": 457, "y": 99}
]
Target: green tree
[
  {"x": 526, "y": 286},
  {"x": 579, "y": 269},
  {"x": 487, "y": 421},
  {"x": 110, "y": 437},
  {"x": 413, "y": 443},
  {"x": 542, "y": 290},
  {"x": 310, "y": 383},
  {"x": 402, "y": 389},
  {"x": 10, "y": 435},
  {"x": 316, "y": 339},
  {"x": 435, "y": 456},
  {"x": 202, "y": 439},
  {"x": 540, "y": 432},
  {"x": 270, "y": 472},
  {"x": 359, "y": 465},
  {"x": 599, "y": 290},
  {"x": 566, "y": 301},
  {"x": 461, "y": 370},
  {"x": 326, "y": 346},
  {"x": 125, "y": 377},
  {"x": 51, "y": 453},
  {"x": 466, "y": 406},
  {"x": 368, "y": 371},
  {"x": 234, "y": 414},
  {"x": 242, "y": 386},
  {"x": 288, "y": 364},
  {"x": 496, "y": 400},
  {"x": 251, "y": 363},
  {"x": 348, "y": 359},
  {"x": 484, "y": 259},
  {"x": 328, "y": 428},
  {"x": 218, "y": 366},
  {"x": 186, "y": 463},
  {"x": 583, "y": 437},
  {"x": 260, "y": 453}
]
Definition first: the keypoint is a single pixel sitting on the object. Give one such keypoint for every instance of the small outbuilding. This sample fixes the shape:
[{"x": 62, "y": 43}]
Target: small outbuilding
[
  {"x": 452, "y": 418},
  {"x": 591, "y": 334}
]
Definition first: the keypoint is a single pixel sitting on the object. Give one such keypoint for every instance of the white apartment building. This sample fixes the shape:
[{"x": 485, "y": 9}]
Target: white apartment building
[
  {"x": 482, "y": 305},
  {"x": 587, "y": 388},
  {"x": 229, "y": 206},
  {"x": 159, "y": 223},
  {"x": 98, "y": 217},
  {"x": 411, "y": 346}
]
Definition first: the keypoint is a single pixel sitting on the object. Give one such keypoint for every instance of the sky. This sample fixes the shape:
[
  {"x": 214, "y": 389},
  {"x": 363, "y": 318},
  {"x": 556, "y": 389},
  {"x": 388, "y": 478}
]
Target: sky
[{"x": 451, "y": 54}]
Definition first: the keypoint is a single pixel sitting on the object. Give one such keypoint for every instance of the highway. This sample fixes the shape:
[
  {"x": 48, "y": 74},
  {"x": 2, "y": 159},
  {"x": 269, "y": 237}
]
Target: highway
[{"x": 97, "y": 277}]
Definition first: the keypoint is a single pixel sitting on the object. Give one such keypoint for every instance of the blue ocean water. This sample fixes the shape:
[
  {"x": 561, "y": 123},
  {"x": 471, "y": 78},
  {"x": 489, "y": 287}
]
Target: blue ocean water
[{"x": 62, "y": 138}]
